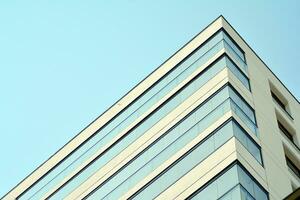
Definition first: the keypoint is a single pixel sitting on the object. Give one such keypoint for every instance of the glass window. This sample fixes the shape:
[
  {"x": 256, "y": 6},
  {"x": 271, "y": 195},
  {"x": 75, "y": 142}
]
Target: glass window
[
  {"x": 293, "y": 167},
  {"x": 138, "y": 131},
  {"x": 210, "y": 192},
  {"x": 246, "y": 181},
  {"x": 128, "y": 115},
  {"x": 247, "y": 142},
  {"x": 233, "y": 194},
  {"x": 236, "y": 57},
  {"x": 233, "y": 184},
  {"x": 163, "y": 181},
  {"x": 173, "y": 141},
  {"x": 205, "y": 110},
  {"x": 244, "y": 117},
  {"x": 135, "y": 110},
  {"x": 259, "y": 193},
  {"x": 242, "y": 104},
  {"x": 227, "y": 181},
  {"x": 285, "y": 132},
  {"x": 279, "y": 102},
  {"x": 163, "y": 150},
  {"x": 238, "y": 73},
  {"x": 282, "y": 103},
  {"x": 246, "y": 195},
  {"x": 235, "y": 48}
]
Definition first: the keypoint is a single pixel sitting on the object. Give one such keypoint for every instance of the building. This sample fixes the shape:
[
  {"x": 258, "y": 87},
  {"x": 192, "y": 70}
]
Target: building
[{"x": 212, "y": 122}]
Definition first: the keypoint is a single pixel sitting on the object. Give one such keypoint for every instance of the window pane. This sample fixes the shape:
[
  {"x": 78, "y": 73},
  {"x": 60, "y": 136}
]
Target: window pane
[
  {"x": 246, "y": 195},
  {"x": 245, "y": 140},
  {"x": 230, "y": 186},
  {"x": 128, "y": 116},
  {"x": 210, "y": 192},
  {"x": 227, "y": 181},
  {"x": 233, "y": 194},
  {"x": 259, "y": 193},
  {"x": 246, "y": 181}
]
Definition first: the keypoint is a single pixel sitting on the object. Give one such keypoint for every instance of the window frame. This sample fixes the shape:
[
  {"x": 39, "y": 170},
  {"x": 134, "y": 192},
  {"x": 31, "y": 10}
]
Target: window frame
[
  {"x": 290, "y": 164},
  {"x": 281, "y": 104},
  {"x": 236, "y": 162}
]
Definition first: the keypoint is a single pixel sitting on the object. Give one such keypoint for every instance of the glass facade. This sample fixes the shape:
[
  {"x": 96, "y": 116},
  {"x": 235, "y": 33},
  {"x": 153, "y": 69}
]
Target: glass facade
[
  {"x": 135, "y": 110},
  {"x": 184, "y": 132},
  {"x": 220, "y": 103},
  {"x": 170, "y": 142},
  {"x": 235, "y": 183},
  {"x": 218, "y": 42},
  {"x": 144, "y": 165}
]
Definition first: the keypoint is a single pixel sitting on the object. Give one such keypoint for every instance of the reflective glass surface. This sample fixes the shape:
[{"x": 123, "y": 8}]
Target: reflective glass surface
[
  {"x": 210, "y": 111},
  {"x": 152, "y": 120},
  {"x": 136, "y": 109},
  {"x": 196, "y": 156},
  {"x": 235, "y": 183}
]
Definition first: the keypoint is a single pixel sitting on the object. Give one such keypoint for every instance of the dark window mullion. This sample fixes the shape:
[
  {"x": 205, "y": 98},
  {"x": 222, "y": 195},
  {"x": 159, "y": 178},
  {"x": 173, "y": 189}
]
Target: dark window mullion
[
  {"x": 293, "y": 167},
  {"x": 285, "y": 131},
  {"x": 278, "y": 101}
]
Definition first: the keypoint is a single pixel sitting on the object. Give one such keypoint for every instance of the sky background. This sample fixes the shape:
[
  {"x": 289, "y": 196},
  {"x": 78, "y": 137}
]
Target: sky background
[{"x": 62, "y": 63}]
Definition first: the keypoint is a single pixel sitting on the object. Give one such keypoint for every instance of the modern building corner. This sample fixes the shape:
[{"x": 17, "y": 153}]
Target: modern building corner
[{"x": 212, "y": 122}]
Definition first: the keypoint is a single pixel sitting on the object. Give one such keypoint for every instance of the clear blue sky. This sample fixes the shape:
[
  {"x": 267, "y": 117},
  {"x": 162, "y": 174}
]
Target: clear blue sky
[{"x": 62, "y": 63}]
